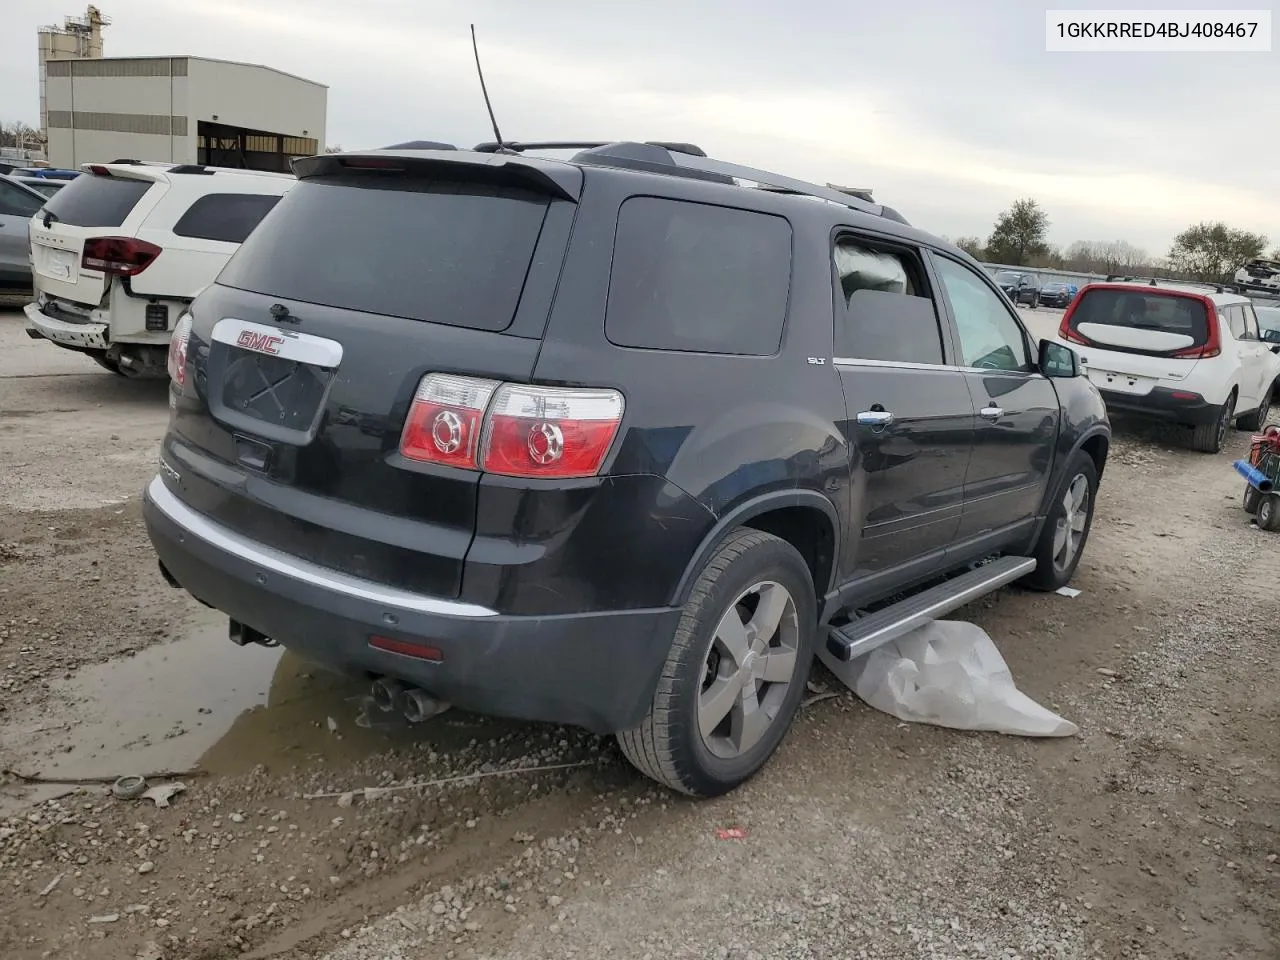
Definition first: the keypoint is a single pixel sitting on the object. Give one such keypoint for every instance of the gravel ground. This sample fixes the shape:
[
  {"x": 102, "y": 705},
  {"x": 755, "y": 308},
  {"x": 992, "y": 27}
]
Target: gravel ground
[{"x": 1151, "y": 834}]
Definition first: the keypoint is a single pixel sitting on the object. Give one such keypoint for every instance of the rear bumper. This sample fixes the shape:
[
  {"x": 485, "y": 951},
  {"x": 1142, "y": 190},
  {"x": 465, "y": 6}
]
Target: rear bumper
[
  {"x": 75, "y": 336},
  {"x": 1162, "y": 404},
  {"x": 595, "y": 670}
]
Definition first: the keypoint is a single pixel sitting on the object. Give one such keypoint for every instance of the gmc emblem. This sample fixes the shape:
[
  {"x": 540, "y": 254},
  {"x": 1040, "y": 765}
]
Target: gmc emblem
[{"x": 259, "y": 342}]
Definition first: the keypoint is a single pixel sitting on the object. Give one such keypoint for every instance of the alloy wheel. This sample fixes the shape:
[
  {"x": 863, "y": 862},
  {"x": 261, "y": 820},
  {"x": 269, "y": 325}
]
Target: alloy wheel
[{"x": 1069, "y": 531}]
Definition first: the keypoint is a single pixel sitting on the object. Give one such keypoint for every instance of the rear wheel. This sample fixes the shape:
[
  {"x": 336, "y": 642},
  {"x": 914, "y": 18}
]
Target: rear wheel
[
  {"x": 1066, "y": 528},
  {"x": 1208, "y": 437},
  {"x": 1269, "y": 512},
  {"x": 736, "y": 670}
]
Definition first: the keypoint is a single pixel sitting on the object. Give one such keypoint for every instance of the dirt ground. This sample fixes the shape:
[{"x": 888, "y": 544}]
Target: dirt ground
[{"x": 1153, "y": 833}]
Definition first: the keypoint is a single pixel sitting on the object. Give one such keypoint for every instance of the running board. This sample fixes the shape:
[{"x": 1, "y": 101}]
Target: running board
[{"x": 863, "y": 635}]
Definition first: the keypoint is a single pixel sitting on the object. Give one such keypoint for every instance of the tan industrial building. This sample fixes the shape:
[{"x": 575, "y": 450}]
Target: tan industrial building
[{"x": 180, "y": 110}]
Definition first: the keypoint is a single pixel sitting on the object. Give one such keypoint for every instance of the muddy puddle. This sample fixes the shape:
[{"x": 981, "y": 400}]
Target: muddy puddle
[{"x": 203, "y": 702}]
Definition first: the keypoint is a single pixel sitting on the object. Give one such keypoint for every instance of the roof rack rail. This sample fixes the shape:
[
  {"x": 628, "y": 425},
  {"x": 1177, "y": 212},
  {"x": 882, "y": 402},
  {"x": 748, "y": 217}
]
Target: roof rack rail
[
  {"x": 1156, "y": 281},
  {"x": 520, "y": 147},
  {"x": 421, "y": 145},
  {"x": 199, "y": 168}
]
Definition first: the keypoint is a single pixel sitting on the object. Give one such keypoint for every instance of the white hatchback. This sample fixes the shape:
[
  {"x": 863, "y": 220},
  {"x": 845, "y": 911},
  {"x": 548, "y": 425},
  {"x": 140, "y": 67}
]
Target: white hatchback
[
  {"x": 118, "y": 253},
  {"x": 1187, "y": 353}
]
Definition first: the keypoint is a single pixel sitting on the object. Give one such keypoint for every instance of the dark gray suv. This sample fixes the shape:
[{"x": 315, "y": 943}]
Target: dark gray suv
[{"x": 621, "y": 441}]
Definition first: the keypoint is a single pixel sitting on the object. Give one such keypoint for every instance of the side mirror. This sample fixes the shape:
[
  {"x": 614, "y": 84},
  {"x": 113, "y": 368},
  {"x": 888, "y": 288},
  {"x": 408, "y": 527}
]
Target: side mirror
[
  {"x": 1058, "y": 360},
  {"x": 1275, "y": 348},
  {"x": 1271, "y": 336}
]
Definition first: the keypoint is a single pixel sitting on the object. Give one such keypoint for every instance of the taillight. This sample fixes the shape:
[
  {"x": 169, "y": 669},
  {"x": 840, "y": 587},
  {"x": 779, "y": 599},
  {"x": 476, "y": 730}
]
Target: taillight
[
  {"x": 178, "y": 350},
  {"x": 550, "y": 431},
  {"x": 1064, "y": 329},
  {"x": 445, "y": 420},
  {"x": 1212, "y": 346},
  {"x": 515, "y": 430},
  {"x": 118, "y": 256}
]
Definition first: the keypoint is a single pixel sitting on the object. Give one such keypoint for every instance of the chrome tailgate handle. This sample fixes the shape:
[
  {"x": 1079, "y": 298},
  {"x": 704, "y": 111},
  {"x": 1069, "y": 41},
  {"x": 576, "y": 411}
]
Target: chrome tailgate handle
[
  {"x": 875, "y": 418},
  {"x": 991, "y": 413}
]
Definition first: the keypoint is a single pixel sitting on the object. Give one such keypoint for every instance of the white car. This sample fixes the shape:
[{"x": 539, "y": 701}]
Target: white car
[
  {"x": 1187, "y": 353},
  {"x": 1261, "y": 275},
  {"x": 119, "y": 252}
]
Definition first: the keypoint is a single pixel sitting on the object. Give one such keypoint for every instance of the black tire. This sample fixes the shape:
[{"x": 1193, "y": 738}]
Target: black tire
[
  {"x": 1209, "y": 437},
  {"x": 1269, "y": 512},
  {"x": 1035, "y": 303},
  {"x": 1258, "y": 419},
  {"x": 1049, "y": 573},
  {"x": 668, "y": 745},
  {"x": 1252, "y": 497}
]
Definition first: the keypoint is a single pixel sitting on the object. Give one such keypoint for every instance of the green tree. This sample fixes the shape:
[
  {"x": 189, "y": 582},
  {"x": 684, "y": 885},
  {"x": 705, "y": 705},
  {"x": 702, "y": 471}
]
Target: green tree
[
  {"x": 972, "y": 246},
  {"x": 1019, "y": 234},
  {"x": 1213, "y": 251}
]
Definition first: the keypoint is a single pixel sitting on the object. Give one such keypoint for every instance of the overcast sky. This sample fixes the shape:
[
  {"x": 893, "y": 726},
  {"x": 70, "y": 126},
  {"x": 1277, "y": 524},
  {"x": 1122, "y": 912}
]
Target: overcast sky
[{"x": 949, "y": 111}]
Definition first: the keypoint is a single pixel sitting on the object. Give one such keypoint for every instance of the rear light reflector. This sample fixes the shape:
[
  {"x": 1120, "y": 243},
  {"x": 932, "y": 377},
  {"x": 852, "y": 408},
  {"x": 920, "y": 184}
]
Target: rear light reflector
[
  {"x": 1184, "y": 395},
  {"x": 407, "y": 648},
  {"x": 550, "y": 431},
  {"x": 446, "y": 419},
  {"x": 516, "y": 430},
  {"x": 177, "y": 363},
  {"x": 118, "y": 256}
]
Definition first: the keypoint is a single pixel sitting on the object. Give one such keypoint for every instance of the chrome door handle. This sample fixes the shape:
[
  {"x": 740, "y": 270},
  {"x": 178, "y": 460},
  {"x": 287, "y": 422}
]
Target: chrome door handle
[
  {"x": 875, "y": 418},
  {"x": 991, "y": 413}
]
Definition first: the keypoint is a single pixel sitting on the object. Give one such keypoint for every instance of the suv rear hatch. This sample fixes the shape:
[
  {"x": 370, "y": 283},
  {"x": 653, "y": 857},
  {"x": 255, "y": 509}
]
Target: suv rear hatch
[
  {"x": 85, "y": 231},
  {"x": 301, "y": 363},
  {"x": 1143, "y": 335}
]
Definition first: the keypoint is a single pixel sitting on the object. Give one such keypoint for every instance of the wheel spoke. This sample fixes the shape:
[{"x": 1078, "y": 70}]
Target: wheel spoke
[
  {"x": 1059, "y": 539},
  {"x": 731, "y": 634},
  {"x": 749, "y": 723},
  {"x": 773, "y": 604},
  {"x": 1077, "y": 522},
  {"x": 780, "y": 665},
  {"x": 716, "y": 701}
]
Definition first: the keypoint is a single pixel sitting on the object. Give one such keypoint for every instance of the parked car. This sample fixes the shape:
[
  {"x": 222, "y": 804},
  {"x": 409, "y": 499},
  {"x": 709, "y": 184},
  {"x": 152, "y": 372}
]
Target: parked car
[
  {"x": 1268, "y": 320},
  {"x": 1058, "y": 294},
  {"x": 119, "y": 252},
  {"x": 568, "y": 440},
  {"x": 1019, "y": 287},
  {"x": 1260, "y": 274},
  {"x": 18, "y": 203},
  {"x": 47, "y": 173},
  {"x": 45, "y": 186},
  {"x": 1187, "y": 353}
]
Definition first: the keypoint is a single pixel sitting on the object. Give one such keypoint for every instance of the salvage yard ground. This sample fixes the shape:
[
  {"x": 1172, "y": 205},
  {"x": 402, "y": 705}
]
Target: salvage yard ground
[{"x": 1154, "y": 833}]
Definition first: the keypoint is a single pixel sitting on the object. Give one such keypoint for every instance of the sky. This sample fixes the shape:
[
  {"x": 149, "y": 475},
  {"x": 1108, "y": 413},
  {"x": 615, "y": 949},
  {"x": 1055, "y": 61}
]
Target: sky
[{"x": 948, "y": 111}]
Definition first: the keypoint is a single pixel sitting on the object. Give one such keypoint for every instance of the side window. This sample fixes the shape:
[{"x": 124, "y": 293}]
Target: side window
[
  {"x": 698, "y": 278},
  {"x": 1251, "y": 331},
  {"x": 225, "y": 217},
  {"x": 16, "y": 202},
  {"x": 1234, "y": 316},
  {"x": 885, "y": 312},
  {"x": 990, "y": 337}
]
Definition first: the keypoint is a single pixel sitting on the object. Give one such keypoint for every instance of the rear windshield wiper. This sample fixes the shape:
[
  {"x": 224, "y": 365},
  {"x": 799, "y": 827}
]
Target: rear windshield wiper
[{"x": 48, "y": 216}]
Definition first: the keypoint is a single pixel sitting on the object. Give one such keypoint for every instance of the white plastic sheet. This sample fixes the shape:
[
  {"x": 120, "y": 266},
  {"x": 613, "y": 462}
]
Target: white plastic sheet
[{"x": 950, "y": 674}]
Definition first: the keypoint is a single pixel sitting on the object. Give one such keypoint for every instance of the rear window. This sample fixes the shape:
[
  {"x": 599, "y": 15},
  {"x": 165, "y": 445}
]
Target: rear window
[
  {"x": 93, "y": 201},
  {"x": 225, "y": 217},
  {"x": 1143, "y": 311},
  {"x": 441, "y": 251},
  {"x": 698, "y": 278}
]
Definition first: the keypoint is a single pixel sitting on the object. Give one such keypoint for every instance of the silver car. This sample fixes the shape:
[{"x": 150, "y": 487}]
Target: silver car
[{"x": 18, "y": 204}]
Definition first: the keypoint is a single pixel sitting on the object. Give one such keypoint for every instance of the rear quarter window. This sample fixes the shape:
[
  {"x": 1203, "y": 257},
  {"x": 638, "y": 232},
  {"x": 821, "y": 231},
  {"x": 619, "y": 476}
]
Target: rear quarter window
[
  {"x": 93, "y": 201},
  {"x": 1143, "y": 311},
  {"x": 693, "y": 277},
  {"x": 224, "y": 217}
]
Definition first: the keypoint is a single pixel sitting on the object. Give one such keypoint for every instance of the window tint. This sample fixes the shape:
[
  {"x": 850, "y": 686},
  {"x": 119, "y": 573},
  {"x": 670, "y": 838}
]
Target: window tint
[
  {"x": 990, "y": 337},
  {"x": 16, "y": 202},
  {"x": 93, "y": 201},
  {"x": 442, "y": 251},
  {"x": 226, "y": 217},
  {"x": 1251, "y": 330},
  {"x": 696, "y": 277},
  {"x": 1165, "y": 312},
  {"x": 1234, "y": 317},
  {"x": 885, "y": 314}
]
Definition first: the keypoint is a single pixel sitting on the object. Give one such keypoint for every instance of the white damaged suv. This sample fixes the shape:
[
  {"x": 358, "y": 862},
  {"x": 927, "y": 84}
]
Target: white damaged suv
[
  {"x": 1192, "y": 354},
  {"x": 119, "y": 252}
]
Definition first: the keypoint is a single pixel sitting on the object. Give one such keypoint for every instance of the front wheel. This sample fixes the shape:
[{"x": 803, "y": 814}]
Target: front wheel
[
  {"x": 1269, "y": 512},
  {"x": 1252, "y": 497},
  {"x": 1258, "y": 419},
  {"x": 736, "y": 671},
  {"x": 1066, "y": 528}
]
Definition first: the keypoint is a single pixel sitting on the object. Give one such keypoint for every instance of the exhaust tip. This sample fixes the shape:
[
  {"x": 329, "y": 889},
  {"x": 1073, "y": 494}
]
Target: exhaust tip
[
  {"x": 420, "y": 705},
  {"x": 387, "y": 694}
]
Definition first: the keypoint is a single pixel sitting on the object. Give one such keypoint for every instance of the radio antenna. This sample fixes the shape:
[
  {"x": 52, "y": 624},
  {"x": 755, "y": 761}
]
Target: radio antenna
[{"x": 497, "y": 134}]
